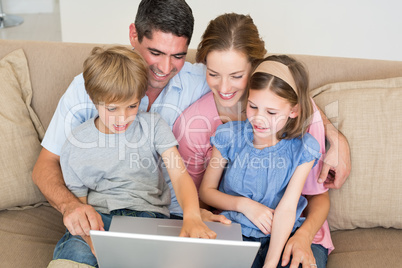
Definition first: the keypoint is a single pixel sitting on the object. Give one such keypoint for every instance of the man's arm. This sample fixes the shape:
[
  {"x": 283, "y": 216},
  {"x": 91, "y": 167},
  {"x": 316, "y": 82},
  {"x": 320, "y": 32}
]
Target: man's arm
[
  {"x": 337, "y": 163},
  {"x": 79, "y": 218}
]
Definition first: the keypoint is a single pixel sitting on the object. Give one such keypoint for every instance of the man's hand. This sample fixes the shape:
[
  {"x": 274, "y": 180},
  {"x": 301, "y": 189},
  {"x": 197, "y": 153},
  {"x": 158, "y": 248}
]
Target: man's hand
[
  {"x": 299, "y": 247},
  {"x": 89, "y": 242},
  {"x": 207, "y": 215},
  {"x": 337, "y": 164},
  {"x": 79, "y": 218}
]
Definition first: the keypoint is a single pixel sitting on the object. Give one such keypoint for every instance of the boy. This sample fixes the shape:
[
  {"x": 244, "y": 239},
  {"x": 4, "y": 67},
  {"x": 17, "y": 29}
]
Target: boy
[{"x": 112, "y": 160}]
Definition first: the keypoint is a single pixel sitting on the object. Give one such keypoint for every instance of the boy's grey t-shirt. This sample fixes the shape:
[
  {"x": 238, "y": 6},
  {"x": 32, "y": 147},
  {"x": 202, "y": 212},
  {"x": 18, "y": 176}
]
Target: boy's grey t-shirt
[{"x": 117, "y": 171}]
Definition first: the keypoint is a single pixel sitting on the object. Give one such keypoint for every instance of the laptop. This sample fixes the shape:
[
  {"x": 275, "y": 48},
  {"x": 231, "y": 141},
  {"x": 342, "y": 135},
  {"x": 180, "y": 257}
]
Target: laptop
[{"x": 150, "y": 242}]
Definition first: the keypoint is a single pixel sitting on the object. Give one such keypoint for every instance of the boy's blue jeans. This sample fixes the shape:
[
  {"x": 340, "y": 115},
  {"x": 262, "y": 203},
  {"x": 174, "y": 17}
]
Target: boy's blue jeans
[
  {"x": 74, "y": 248},
  {"x": 320, "y": 253}
]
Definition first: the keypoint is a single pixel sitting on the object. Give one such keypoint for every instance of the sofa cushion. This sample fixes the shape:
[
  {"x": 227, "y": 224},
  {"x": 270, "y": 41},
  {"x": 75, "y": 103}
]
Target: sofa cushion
[
  {"x": 369, "y": 114},
  {"x": 374, "y": 247},
  {"x": 20, "y": 132},
  {"x": 28, "y": 237}
]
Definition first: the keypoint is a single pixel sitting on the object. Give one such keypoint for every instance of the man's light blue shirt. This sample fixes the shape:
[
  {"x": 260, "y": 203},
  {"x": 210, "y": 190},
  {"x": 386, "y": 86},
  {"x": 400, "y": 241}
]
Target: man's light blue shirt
[{"x": 75, "y": 107}]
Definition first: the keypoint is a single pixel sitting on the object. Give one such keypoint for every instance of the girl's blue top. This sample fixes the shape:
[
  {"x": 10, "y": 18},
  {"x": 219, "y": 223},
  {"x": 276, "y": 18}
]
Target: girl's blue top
[{"x": 261, "y": 175}]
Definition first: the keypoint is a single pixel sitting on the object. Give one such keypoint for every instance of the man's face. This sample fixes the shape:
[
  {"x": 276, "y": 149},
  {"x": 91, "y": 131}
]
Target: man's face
[{"x": 165, "y": 54}]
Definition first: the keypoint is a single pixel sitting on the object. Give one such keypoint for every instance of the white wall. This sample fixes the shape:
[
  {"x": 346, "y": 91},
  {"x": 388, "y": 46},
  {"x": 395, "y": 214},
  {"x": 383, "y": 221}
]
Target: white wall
[
  {"x": 346, "y": 28},
  {"x": 28, "y": 6}
]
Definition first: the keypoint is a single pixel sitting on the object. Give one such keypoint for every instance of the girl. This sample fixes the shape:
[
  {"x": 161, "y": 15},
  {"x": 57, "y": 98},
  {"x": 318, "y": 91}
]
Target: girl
[{"x": 268, "y": 157}]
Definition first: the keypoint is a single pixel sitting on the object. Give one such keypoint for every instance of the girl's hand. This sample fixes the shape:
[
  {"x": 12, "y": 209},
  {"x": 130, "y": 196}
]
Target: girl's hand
[
  {"x": 195, "y": 227},
  {"x": 207, "y": 215},
  {"x": 258, "y": 214}
]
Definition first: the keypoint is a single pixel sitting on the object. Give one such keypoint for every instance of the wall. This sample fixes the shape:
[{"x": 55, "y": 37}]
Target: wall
[
  {"x": 359, "y": 28},
  {"x": 28, "y": 6}
]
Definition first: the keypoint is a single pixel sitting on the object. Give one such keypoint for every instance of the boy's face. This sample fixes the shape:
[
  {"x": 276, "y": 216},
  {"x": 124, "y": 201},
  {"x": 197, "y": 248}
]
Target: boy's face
[
  {"x": 165, "y": 54},
  {"x": 116, "y": 117}
]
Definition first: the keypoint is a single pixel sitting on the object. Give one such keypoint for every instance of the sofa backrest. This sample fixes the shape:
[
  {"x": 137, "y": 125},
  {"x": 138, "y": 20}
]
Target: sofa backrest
[{"x": 53, "y": 66}]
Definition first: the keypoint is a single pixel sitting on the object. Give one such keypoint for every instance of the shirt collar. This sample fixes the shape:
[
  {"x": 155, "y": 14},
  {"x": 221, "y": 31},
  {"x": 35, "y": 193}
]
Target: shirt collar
[{"x": 176, "y": 81}]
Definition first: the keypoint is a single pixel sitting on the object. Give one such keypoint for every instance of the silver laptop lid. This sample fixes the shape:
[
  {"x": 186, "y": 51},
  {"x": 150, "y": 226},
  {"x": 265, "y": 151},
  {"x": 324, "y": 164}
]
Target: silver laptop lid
[
  {"x": 150, "y": 242},
  {"x": 170, "y": 227},
  {"x": 115, "y": 249}
]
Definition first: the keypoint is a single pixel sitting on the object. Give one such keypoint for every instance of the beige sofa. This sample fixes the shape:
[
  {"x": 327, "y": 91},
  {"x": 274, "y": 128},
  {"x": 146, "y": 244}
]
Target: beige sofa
[{"x": 365, "y": 216}]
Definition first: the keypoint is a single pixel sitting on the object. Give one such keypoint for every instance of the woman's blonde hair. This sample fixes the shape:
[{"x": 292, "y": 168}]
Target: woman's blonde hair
[
  {"x": 300, "y": 96},
  {"x": 232, "y": 31},
  {"x": 115, "y": 74}
]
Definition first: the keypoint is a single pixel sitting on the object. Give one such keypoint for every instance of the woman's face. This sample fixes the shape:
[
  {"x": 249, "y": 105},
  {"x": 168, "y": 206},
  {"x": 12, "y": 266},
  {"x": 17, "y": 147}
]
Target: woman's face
[{"x": 227, "y": 75}]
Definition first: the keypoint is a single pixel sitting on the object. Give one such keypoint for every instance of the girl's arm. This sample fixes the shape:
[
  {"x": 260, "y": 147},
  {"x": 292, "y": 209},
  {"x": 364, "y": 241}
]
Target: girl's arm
[
  {"x": 257, "y": 213},
  {"x": 285, "y": 214},
  {"x": 299, "y": 244},
  {"x": 187, "y": 196}
]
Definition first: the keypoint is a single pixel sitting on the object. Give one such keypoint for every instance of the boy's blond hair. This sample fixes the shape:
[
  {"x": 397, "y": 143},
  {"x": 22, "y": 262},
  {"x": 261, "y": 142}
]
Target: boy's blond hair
[{"x": 115, "y": 74}]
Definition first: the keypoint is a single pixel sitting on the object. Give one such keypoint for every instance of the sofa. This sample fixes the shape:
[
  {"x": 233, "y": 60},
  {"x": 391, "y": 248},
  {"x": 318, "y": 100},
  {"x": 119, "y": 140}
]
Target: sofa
[{"x": 361, "y": 97}]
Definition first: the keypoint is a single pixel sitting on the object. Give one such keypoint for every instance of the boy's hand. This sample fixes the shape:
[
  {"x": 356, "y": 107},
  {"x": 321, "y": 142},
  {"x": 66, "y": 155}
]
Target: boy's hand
[
  {"x": 258, "y": 214},
  {"x": 207, "y": 215},
  {"x": 194, "y": 227}
]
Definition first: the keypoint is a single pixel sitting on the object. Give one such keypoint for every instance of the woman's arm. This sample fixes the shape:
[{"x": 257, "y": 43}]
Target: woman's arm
[
  {"x": 187, "y": 196},
  {"x": 285, "y": 214},
  {"x": 299, "y": 245}
]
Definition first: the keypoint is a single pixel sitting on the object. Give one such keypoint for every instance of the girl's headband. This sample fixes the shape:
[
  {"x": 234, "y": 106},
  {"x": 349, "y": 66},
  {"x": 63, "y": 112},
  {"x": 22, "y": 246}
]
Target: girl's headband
[{"x": 279, "y": 70}]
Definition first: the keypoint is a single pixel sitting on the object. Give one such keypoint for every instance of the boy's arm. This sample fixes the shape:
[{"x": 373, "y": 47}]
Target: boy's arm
[
  {"x": 299, "y": 245},
  {"x": 337, "y": 163},
  {"x": 257, "y": 213},
  {"x": 187, "y": 196},
  {"x": 285, "y": 214},
  {"x": 79, "y": 218}
]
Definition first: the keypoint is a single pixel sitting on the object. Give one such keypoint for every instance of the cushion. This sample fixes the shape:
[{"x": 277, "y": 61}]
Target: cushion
[
  {"x": 60, "y": 263},
  {"x": 369, "y": 114},
  {"x": 20, "y": 132},
  {"x": 28, "y": 237},
  {"x": 362, "y": 248}
]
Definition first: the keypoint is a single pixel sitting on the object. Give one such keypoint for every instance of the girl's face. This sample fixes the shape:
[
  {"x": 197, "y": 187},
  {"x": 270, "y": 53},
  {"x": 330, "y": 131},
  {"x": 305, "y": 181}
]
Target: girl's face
[
  {"x": 116, "y": 117},
  {"x": 268, "y": 113},
  {"x": 227, "y": 74}
]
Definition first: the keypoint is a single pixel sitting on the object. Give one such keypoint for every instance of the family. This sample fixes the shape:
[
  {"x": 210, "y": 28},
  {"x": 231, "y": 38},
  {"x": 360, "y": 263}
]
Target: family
[{"x": 233, "y": 138}]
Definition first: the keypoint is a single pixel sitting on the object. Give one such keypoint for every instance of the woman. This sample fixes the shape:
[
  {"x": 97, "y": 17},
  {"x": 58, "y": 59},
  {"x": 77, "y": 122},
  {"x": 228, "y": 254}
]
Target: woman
[{"x": 230, "y": 48}]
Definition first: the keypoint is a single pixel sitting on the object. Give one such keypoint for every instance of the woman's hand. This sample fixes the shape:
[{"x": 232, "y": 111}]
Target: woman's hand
[{"x": 299, "y": 247}]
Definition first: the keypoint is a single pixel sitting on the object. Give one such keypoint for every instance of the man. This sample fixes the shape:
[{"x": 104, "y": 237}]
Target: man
[{"x": 161, "y": 34}]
